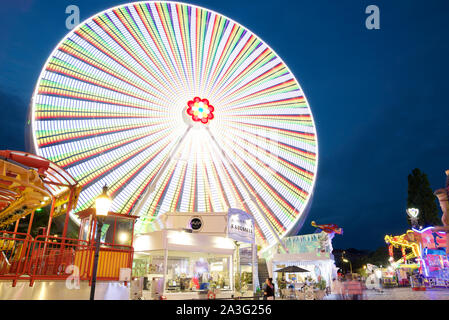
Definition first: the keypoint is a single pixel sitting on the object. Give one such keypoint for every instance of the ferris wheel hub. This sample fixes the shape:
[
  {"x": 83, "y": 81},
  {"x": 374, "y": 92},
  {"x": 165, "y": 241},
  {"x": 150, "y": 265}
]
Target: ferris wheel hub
[{"x": 200, "y": 110}]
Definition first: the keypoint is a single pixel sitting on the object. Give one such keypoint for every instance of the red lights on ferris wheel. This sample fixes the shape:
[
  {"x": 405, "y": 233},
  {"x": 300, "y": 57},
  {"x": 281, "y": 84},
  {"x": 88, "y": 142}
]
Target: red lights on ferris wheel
[{"x": 200, "y": 110}]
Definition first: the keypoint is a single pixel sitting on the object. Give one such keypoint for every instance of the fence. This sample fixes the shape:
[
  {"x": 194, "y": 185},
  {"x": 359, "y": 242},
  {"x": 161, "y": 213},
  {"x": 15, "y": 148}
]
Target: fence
[{"x": 47, "y": 258}]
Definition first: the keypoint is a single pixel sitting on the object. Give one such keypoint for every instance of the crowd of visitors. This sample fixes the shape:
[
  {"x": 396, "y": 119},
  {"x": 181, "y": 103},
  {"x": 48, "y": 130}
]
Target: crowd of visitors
[{"x": 348, "y": 288}]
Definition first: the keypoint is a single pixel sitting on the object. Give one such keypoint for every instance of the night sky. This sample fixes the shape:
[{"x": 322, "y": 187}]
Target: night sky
[{"x": 378, "y": 96}]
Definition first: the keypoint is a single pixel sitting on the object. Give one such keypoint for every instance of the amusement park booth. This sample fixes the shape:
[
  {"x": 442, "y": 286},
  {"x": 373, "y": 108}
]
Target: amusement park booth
[
  {"x": 62, "y": 268},
  {"x": 49, "y": 266},
  {"x": 311, "y": 252},
  {"x": 197, "y": 256}
]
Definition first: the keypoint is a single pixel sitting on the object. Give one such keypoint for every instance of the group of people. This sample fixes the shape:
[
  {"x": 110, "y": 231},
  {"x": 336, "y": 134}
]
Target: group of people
[
  {"x": 343, "y": 289},
  {"x": 348, "y": 289}
]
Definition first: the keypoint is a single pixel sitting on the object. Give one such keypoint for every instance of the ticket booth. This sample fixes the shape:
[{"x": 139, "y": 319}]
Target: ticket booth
[
  {"x": 116, "y": 245},
  {"x": 118, "y": 229}
]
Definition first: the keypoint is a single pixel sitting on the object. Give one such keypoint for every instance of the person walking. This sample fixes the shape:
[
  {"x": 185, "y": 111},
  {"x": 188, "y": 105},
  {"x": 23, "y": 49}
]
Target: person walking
[
  {"x": 268, "y": 290},
  {"x": 337, "y": 289},
  {"x": 354, "y": 289}
]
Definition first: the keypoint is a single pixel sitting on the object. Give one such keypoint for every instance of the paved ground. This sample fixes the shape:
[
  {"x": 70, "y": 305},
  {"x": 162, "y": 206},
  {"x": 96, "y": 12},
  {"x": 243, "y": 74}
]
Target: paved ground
[{"x": 404, "y": 294}]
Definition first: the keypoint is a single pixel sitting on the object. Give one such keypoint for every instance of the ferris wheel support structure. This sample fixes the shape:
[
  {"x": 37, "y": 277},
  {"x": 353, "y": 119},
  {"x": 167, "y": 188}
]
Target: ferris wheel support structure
[
  {"x": 153, "y": 184},
  {"x": 249, "y": 192}
]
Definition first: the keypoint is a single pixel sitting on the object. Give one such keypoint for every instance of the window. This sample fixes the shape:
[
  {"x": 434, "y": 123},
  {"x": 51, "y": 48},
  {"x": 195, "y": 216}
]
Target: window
[{"x": 192, "y": 271}]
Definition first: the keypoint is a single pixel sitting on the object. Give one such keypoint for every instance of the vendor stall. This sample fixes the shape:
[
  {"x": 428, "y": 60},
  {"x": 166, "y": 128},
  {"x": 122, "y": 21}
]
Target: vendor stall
[
  {"x": 197, "y": 256},
  {"x": 311, "y": 252}
]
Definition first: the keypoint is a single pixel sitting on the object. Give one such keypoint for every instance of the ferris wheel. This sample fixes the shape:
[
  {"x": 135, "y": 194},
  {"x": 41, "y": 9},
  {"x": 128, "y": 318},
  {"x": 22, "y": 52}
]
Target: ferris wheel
[{"x": 177, "y": 109}]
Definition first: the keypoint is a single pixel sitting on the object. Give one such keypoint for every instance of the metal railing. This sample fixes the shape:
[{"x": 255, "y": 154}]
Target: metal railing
[
  {"x": 47, "y": 258},
  {"x": 15, "y": 247}
]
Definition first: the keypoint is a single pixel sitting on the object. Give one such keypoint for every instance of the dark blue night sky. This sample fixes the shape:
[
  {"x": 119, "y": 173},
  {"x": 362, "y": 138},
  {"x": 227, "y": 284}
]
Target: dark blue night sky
[{"x": 378, "y": 96}]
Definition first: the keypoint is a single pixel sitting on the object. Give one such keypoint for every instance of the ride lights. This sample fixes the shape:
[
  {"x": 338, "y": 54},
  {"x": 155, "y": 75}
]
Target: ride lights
[{"x": 413, "y": 214}]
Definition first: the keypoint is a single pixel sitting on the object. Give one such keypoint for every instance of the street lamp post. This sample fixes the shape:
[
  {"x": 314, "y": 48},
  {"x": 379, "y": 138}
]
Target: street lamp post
[
  {"x": 102, "y": 205},
  {"x": 350, "y": 264},
  {"x": 346, "y": 260}
]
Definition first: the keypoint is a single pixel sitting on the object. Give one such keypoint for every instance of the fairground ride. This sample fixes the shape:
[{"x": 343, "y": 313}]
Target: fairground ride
[
  {"x": 177, "y": 109},
  {"x": 29, "y": 183},
  {"x": 404, "y": 242}
]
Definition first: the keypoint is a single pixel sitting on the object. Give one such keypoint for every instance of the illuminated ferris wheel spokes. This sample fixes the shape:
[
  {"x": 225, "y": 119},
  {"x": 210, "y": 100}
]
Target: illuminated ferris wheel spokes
[
  {"x": 250, "y": 196},
  {"x": 177, "y": 108},
  {"x": 152, "y": 187}
]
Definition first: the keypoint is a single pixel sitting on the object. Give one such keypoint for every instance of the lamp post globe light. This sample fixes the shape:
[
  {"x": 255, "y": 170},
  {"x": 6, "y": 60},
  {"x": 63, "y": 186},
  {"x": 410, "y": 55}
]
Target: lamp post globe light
[
  {"x": 413, "y": 213},
  {"x": 102, "y": 205}
]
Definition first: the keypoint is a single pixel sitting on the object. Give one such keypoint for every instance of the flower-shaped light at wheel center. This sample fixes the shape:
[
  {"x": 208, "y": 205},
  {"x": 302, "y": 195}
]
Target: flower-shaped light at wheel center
[{"x": 200, "y": 110}]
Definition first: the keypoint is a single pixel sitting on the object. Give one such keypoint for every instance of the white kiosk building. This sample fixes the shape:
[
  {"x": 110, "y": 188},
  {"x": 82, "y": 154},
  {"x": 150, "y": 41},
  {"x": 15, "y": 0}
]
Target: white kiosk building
[{"x": 191, "y": 255}]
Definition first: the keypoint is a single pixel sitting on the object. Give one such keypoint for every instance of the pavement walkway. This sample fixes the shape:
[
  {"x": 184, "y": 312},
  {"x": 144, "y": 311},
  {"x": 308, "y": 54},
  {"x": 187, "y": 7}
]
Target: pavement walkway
[{"x": 403, "y": 294}]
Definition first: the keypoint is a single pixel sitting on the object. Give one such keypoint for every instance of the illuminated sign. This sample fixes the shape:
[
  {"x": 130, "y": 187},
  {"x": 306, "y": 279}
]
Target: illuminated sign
[
  {"x": 413, "y": 212},
  {"x": 240, "y": 226},
  {"x": 431, "y": 239}
]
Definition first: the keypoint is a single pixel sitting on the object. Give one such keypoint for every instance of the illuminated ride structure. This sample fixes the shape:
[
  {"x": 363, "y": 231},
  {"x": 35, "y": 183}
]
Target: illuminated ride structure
[
  {"x": 29, "y": 183},
  {"x": 404, "y": 242},
  {"x": 424, "y": 250},
  {"x": 434, "y": 242},
  {"x": 177, "y": 109},
  {"x": 428, "y": 247},
  {"x": 434, "y": 264},
  {"x": 328, "y": 228},
  {"x": 403, "y": 267}
]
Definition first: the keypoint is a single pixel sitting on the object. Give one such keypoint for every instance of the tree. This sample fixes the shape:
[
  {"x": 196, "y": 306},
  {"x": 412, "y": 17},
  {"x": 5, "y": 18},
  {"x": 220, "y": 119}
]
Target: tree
[
  {"x": 358, "y": 259},
  {"x": 421, "y": 196},
  {"x": 379, "y": 257}
]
